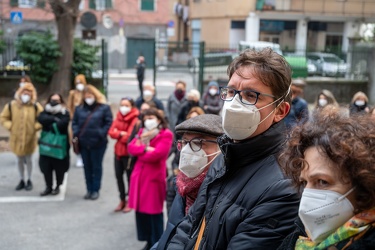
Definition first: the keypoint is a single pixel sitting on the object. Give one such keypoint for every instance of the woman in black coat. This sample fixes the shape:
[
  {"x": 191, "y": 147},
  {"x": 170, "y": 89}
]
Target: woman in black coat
[{"x": 54, "y": 112}]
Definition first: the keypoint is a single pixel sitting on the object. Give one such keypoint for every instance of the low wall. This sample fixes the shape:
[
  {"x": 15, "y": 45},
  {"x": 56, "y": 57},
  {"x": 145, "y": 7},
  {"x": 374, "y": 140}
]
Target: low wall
[{"x": 342, "y": 89}]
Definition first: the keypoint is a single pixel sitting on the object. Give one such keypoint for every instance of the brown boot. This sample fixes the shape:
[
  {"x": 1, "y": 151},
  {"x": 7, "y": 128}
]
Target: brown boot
[
  {"x": 126, "y": 209},
  {"x": 120, "y": 206}
]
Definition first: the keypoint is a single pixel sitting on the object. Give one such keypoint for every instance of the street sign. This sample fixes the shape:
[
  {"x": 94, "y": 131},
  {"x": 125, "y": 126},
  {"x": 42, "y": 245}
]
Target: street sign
[
  {"x": 16, "y": 17},
  {"x": 170, "y": 24}
]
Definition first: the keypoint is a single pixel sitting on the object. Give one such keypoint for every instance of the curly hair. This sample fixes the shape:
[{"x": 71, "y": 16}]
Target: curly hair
[
  {"x": 269, "y": 67},
  {"x": 347, "y": 141}
]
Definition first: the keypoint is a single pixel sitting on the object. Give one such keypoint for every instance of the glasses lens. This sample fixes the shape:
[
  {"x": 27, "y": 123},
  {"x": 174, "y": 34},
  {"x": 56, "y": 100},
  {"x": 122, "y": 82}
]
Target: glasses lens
[
  {"x": 227, "y": 94},
  {"x": 249, "y": 97},
  {"x": 195, "y": 145},
  {"x": 180, "y": 144}
]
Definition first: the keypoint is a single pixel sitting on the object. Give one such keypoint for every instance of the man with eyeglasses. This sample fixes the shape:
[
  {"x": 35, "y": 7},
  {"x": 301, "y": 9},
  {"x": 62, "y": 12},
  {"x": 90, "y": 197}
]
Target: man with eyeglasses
[
  {"x": 198, "y": 148},
  {"x": 245, "y": 202}
]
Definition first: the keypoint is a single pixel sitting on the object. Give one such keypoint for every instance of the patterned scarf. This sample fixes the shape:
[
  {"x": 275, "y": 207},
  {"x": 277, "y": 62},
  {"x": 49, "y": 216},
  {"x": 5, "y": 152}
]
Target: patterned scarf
[
  {"x": 189, "y": 187},
  {"x": 357, "y": 226},
  {"x": 148, "y": 135}
]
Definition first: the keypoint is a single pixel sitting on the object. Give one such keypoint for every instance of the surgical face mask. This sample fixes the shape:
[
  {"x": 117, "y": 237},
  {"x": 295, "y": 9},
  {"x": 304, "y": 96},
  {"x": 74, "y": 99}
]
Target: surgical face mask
[
  {"x": 80, "y": 87},
  {"x": 212, "y": 92},
  {"x": 124, "y": 110},
  {"x": 240, "y": 120},
  {"x": 54, "y": 109},
  {"x": 25, "y": 98},
  {"x": 322, "y": 102},
  {"x": 90, "y": 101},
  {"x": 150, "y": 124},
  {"x": 147, "y": 95},
  {"x": 323, "y": 211},
  {"x": 359, "y": 103},
  {"x": 193, "y": 163}
]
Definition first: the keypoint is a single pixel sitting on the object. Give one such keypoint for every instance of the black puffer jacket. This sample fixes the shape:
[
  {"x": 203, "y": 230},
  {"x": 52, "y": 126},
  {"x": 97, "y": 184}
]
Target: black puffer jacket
[{"x": 245, "y": 199}]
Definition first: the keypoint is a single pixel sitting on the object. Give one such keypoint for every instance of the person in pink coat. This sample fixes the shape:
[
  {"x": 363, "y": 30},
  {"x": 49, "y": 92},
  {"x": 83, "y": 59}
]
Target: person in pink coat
[{"x": 148, "y": 179}]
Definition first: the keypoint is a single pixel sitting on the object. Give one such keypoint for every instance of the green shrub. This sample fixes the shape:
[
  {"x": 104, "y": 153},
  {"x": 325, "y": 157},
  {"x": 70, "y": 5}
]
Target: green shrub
[
  {"x": 2, "y": 42},
  {"x": 84, "y": 58},
  {"x": 40, "y": 51}
]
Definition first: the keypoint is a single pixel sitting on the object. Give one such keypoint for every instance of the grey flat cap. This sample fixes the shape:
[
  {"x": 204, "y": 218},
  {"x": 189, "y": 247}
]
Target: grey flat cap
[{"x": 206, "y": 124}]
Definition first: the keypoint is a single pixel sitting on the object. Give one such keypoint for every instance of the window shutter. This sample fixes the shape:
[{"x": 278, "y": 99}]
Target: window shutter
[
  {"x": 108, "y": 4},
  {"x": 92, "y": 4},
  {"x": 147, "y": 5},
  {"x": 14, "y": 3},
  {"x": 41, "y": 3}
]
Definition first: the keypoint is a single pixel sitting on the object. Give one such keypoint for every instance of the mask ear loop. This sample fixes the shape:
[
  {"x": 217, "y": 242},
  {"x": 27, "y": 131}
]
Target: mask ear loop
[
  {"x": 346, "y": 194},
  {"x": 287, "y": 93},
  {"x": 217, "y": 153}
]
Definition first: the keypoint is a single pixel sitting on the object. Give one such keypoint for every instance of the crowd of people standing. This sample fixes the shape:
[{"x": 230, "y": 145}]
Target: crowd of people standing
[{"x": 254, "y": 167}]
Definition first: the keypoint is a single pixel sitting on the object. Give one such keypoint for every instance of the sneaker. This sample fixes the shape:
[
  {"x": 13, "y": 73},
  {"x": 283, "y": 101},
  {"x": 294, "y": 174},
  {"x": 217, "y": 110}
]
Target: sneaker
[
  {"x": 94, "y": 195},
  {"x": 20, "y": 185},
  {"x": 87, "y": 196},
  {"x": 29, "y": 185},
  {"x": 56, "y": 191},
  {"x": 79, "y": 163},
  {"x": 47, "y": 191}
]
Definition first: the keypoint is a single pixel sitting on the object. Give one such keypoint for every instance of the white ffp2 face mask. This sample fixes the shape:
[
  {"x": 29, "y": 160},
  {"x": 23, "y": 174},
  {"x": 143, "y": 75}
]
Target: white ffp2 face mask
[
  {"x": 360, "y": 103},
  {"x": 80, "y": 87},
  {"x": 25, "y": 98},
  {"x": 124, "y": 110},
  {"x": 193, "y": 163},
  {"x": 323, "y": 211},
  {"x": 150, "y": 124},
  {"x": 322, "y": 102},
  {"x": 240, "y": 120},
  {"x": 90, "y": 101}
]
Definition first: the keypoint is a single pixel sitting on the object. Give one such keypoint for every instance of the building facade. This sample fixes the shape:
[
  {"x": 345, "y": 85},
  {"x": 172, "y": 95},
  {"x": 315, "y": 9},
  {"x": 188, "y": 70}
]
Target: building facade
[
  {"x": 297, "y": 25},
  {"x": 120, "y": 22}
]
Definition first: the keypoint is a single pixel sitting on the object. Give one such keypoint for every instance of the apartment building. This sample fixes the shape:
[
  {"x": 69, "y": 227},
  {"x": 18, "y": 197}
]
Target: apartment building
[
  {"x": 300, "y": 25},
  {"x": 125, "y": 24}
]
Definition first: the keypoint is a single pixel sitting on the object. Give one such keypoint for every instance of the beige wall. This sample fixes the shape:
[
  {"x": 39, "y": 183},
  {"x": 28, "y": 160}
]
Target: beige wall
[
  {"x": 215, "y": 32},
  {"x": 222, "y": 8}
]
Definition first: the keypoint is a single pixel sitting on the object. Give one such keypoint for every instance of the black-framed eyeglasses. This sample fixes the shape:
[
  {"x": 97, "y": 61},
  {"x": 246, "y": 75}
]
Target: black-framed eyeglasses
[
  {"x": 195, "y": 143},
  {"x": 248, "y": 97}
]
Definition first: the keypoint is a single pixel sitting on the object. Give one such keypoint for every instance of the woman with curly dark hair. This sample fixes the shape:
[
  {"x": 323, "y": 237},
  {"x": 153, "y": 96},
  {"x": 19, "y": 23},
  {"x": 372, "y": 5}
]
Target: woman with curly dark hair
[{"x": 332, "y": 159}]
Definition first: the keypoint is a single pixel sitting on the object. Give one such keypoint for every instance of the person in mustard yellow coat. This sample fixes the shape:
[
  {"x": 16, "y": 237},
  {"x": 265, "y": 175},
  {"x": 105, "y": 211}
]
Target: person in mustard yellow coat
[
  {"x": 74, "y": 100},
  {"x": 20, "y": 117}
]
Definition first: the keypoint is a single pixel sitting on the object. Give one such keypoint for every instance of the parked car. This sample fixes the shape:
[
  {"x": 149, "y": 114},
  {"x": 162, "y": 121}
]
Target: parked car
[
  {"x": 297, "y": 62},
  {"x": 327, "y": 64},
  {"x": 16, "y": 67}
]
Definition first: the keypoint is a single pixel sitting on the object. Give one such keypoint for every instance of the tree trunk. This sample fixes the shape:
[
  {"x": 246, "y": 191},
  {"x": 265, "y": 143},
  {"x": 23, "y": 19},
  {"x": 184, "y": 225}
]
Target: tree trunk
[{"x": 66, "y": 19}]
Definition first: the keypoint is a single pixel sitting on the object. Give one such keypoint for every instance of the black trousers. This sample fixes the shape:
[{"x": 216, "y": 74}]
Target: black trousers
[
  {"x": 140, "y": 85},
  {"x": 121, "y": 167},
  {"x": 48, "y": 165}
]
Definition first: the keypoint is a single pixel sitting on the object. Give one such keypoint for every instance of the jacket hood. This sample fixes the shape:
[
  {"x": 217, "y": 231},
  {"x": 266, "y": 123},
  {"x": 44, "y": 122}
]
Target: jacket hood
[
  {"x": 81, "y": 78},
  {"x": 246, "y": 152},
  {"x": 27, "y": 86},
  {"x": 129, "y": 116},
  {"x": 99, "y": 97}
]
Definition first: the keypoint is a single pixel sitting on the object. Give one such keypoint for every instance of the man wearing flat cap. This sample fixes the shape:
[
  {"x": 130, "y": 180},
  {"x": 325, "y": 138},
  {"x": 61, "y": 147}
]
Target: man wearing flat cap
[{"x": 198, "y": 149}]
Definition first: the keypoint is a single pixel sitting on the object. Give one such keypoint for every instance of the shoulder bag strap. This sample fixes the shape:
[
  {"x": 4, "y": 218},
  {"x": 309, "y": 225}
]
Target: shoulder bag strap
[{"x": 87, "y": 120}]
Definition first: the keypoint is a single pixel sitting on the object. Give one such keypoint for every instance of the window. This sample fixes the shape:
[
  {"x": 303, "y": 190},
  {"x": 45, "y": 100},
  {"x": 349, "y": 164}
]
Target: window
[
  {"x": 27, "y": 3},
  {"x": 147, "y": 5},
  {"x": 100, "y": 4}
]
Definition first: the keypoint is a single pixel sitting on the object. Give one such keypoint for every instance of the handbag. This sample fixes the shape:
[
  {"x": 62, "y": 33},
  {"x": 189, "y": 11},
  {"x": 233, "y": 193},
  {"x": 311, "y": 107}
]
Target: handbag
[
  {"x": 75, "y": 141},
  {"x": 53, "y": 144}
]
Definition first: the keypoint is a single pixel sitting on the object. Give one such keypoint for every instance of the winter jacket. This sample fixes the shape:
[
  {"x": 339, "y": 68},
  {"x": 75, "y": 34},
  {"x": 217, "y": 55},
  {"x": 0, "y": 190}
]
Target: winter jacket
[
  {"x": 75, "y": 97},
  {"x": 21, "y": 121},
  {"x": 366, "y": 242},
  {"x": 246, "y": 201},
  {"x": 358, "y": 110},
  {"x": 123, "y": 124},
  {"x": 214, "y": 104},
  {"x": 173, "y": 109},
  {"x": 175, "y": 216},
  {"x": 185, "y": 108},
  {"x": 95, "y": 133},
  {"x": 299, "y": 113},
  {"x": 148, "y": 180},
  {"x": 61, "y": 119}
]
